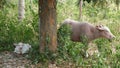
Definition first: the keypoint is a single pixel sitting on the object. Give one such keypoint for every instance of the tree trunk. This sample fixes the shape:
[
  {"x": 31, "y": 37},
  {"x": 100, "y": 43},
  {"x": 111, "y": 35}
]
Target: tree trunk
[
  {"x": 48, "y": 29},
  {"x": 2, "y": 3},
  {"x": 80, "y": 13},
  {"x": 117, "y": 3},
  {"x": 21, "y": 10}
]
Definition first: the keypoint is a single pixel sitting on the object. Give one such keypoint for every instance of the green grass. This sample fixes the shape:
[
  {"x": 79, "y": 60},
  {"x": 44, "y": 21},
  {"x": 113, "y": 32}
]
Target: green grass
[{"x": 68, "y": 53}]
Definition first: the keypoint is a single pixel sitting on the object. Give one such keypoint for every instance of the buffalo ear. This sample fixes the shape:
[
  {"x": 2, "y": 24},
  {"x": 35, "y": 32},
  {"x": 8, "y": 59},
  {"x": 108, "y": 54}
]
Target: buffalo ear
[
  {"x": 100, "y": 27},
  {"x": 15, "y": 44}
]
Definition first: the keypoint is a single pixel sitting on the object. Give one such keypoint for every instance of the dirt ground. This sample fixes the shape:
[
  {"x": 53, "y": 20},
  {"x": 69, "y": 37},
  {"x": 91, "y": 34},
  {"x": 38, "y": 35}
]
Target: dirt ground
[{"x": 11, "y": 60}]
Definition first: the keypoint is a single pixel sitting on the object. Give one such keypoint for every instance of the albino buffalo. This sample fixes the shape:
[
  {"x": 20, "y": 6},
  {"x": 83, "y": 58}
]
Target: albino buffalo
[{"x": 86, "y": 32}]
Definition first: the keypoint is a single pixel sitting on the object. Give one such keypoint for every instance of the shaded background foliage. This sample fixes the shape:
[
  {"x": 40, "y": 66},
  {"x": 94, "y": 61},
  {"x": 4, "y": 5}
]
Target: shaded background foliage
[{"x": 12, "y": 31}]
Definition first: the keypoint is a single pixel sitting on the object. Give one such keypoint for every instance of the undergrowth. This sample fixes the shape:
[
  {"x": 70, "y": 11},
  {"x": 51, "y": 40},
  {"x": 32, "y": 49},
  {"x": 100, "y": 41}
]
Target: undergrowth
[{"x": 68, "y": 52}]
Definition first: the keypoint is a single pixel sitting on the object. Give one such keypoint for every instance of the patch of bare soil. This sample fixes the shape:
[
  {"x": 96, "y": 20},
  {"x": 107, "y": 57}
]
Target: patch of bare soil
[{"x": 10, "y": 60}]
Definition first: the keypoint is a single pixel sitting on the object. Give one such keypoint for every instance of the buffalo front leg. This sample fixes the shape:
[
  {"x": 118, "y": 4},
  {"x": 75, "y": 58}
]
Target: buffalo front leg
[{"x": 84, "y": 40}]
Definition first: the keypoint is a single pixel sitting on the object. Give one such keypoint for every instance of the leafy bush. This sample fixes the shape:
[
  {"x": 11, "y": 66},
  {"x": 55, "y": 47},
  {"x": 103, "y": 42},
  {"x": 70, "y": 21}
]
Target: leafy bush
[
  {"x": 12, "y": 31},
  {"x": 66, "y": 47}
]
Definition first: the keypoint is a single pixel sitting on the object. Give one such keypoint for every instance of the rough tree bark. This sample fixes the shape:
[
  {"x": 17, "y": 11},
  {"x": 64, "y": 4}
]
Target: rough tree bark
[
  {"x": 48, "y": 29},
  {"x": 21, "y": 9}
]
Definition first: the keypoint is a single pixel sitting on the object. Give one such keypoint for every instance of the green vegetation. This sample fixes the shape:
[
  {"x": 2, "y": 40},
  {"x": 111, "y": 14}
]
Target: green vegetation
[{"x": 69, "y": 53}]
